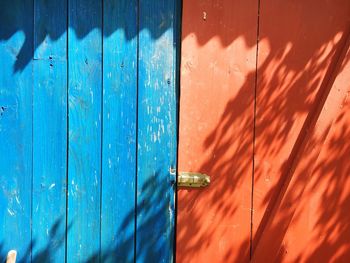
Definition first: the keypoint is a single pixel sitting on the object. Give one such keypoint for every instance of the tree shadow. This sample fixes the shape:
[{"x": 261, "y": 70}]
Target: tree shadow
[
  {"x": 295, "y": 60},
  {"x": 40, "y": 29},
  {"x": 160, "y": 235},
  {"x": 55, "y": 241},
  {"x": 47, "y": 28},
  {"x": 296, "y": 68},
  {"x": 153, "y": 219},
  {"x": 281, "y": 200}
]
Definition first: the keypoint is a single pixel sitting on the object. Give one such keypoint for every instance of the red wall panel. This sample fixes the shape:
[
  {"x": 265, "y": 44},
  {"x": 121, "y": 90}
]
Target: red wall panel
[
  {"x": 216, "y": 129},
  {"x": 264, "y": 110}
]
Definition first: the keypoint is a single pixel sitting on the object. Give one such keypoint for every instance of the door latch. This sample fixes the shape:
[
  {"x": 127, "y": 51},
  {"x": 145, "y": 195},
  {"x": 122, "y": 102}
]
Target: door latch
[{"x": 189, "y": 179}]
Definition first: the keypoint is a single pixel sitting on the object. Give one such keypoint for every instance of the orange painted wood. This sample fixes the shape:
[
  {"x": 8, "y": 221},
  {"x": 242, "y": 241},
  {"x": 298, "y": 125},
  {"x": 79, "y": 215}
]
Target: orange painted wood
[
  {"x": 300, "y": 186},
  {"x": 301, "y": 171},
  {"x": 321, "y": 218},
  {"x": 216, "y": 129}
]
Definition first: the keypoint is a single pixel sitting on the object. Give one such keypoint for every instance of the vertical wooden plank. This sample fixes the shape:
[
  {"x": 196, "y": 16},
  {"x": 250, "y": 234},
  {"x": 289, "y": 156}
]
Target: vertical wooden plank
[
  {"x": 84, "y": 98},
  {"x": 156, "y": 131},
  {"x": 218, "y": 66},
  {"x": 317, "y": 189},
  {"x": 49, "y": 131},
  {"x": 295, "y": 103},
  {"x": 119, "y": 130},
  {"x": 50, "y": 26},
  {"x": 16, "y": 49}
]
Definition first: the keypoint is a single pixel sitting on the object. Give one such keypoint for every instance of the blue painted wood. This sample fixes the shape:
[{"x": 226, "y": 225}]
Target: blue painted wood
[
  {"x": 49, "y": 131},
  {"x": 119, "y": 130},
  {"x": 156, "y": 132},
  {"x": 16, "y": 47},
  {"x": 50, "y": 29},
  {"x": 137, "y": 104},
  {"x": 85, "y": 105}
]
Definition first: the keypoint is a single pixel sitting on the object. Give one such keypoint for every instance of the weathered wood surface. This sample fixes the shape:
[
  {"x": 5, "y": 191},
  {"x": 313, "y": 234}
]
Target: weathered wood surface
[
  {"x": 84, "y": 126},
  {"x": 264, "y": 111},
  {"x": 88, "y": 130},
  {"x": 49, "y": 130},
  {"x": 119, "y": 130},
  {"x": 218, "y": 65},
  {"x": 156, "y": 157},
  {"x": 16, "y": 82}
]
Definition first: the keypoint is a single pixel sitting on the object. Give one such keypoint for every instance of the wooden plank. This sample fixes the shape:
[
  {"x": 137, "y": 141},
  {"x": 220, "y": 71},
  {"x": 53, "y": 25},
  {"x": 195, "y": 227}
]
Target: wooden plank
[
  {"x": 323, "y": 198},
  {"x": 296, "y": 104},
  {"x": 49, "y": 131},
  {"x": 119, "y": 130},
  {"x": 306, "y": 177},
  {"x": 218, "y": 65},
  {"x": 50, "y": 26},
  {"x": 156, "y": 132},
  {"x": 84, "y": 161},
  {"x": 16, "y": 47}
]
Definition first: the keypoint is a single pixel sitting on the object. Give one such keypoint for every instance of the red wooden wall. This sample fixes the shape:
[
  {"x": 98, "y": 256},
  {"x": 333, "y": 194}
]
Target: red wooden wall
[{"x": 264, "y": 110}]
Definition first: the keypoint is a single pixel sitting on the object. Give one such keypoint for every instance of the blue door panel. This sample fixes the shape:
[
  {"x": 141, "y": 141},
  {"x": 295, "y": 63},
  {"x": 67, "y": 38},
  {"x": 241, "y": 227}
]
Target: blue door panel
[
  {"x": 16, "y": 81},
  {"x": 88, "y": 129},
  {"x": 49, "y": 131}
]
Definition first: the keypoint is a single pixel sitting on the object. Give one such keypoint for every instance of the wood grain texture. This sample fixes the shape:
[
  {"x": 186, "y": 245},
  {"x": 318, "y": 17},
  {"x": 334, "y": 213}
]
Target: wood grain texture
[
  {"x": 218, "y": 66},
  {"x": 298, "y": 101},
  {"x": 88, "y": 104},
  {"x": 50, "y": 29},
  {"x": 156, "y": 132},
  {"x": 119, "y": 130},
  {"x": 84, "y": 162},
  {"x": 49, "y": 131},
  {"x": 15, "y": 127}
]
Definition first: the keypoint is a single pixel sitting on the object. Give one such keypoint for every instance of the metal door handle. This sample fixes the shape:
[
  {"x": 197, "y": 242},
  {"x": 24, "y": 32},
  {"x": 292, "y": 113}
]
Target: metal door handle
[{"x": 190, "y": 179}]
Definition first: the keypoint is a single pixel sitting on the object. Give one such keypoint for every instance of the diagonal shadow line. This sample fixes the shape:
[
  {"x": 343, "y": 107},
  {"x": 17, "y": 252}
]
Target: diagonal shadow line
[{"x": 301, "y": 143}]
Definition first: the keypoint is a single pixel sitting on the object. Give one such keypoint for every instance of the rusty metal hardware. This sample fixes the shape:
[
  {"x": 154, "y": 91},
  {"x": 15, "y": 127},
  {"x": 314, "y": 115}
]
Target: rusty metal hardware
[{"x": 190, "y": 179}]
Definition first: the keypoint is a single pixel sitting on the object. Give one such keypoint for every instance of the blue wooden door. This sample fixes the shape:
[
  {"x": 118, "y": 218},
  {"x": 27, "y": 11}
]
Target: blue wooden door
[{"x": 88, "y": 129}]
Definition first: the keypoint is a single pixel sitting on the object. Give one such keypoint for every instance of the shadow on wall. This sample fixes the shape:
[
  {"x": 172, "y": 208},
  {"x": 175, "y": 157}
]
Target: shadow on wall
[
  {"x": 292, "y": 73},
  {"x": 157, "y": 204},
  {"x": 152, "y": 221},
  {"x": 296, "y": 59},
  {"x": 47, "y": 254},
  {"x": 154, "y": 210},
  {"x": 12, "y": 24}
]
